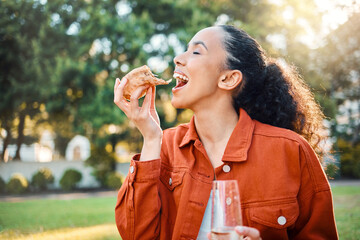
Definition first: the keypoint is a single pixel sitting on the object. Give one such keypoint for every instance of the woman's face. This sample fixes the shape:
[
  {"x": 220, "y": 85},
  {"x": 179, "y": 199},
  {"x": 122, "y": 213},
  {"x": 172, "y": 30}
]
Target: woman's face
[{"x": 198, "y": 70}]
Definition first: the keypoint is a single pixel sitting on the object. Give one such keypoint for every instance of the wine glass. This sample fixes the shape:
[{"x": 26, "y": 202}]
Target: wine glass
[{"x": 226, "y": 210}]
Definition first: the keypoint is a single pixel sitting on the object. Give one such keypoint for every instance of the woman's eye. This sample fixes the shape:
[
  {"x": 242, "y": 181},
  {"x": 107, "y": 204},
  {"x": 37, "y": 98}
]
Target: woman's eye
[{"x": 196, "y": 52}]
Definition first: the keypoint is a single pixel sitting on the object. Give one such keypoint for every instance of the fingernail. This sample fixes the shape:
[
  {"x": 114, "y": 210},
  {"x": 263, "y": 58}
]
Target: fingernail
[{"x": 239, "y": 228}]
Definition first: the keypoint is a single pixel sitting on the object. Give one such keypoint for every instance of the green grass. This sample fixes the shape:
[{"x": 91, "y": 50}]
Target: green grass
[
  {"x": 347, "y": 211},
  {"x": 41, "y": 215},
  {"x": 93, "y": 218},
  {"x": 97, "y": 232}
]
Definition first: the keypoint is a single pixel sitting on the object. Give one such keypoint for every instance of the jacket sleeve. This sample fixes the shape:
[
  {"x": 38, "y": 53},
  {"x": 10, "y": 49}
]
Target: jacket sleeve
[
  {"x": 137, "y": 211},
  {"x": 316, "y": 219}
]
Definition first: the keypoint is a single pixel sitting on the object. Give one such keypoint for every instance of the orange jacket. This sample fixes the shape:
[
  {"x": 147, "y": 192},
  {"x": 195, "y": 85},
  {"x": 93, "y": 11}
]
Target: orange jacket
[{"x": 283, "y": 189}]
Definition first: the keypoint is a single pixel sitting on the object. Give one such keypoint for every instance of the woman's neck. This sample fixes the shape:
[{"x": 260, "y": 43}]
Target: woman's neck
[
  {"x": 214, "y": 127},
  {"x": 216, "y": 124}
]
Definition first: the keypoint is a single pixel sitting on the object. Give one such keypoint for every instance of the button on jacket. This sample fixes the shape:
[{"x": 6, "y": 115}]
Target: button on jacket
[{"x": 283, "y": 189}]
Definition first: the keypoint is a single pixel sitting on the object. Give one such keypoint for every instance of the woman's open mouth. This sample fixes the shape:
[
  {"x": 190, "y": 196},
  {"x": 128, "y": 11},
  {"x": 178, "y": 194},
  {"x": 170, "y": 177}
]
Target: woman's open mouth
[{"x": 181, "y": 80}]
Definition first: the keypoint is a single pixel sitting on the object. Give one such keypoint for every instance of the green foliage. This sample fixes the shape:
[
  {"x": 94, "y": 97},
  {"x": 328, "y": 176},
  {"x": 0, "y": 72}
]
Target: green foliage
[
  {"x": 349, "y": 159},
  {"x": 340, "y": 63},
  {"x": 2, "y": 185},
  {"x": 331, "y": 170},
  {"x": 102, "y": 162},
  {"x": 42, "y": 178},
  {"x": 17, "y": 184},
  {"x": 70, "y": 179},
  {"x": 59, "y": 59},
  {"x": 114, "y": 180}
]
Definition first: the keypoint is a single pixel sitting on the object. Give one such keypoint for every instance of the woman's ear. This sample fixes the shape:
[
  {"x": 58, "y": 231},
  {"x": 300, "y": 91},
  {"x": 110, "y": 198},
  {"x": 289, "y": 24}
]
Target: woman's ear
[{"x": 230, "y": 80}]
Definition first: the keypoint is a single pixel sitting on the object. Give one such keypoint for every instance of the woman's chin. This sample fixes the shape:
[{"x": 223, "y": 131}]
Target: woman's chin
[
  {"x": 174, "y": 103},
  {"x": 177, "y": 103}
]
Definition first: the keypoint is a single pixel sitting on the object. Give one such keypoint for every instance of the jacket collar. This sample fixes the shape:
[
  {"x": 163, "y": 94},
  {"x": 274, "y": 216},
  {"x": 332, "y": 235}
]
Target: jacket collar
[
  {"x": 191, "y": 134},
  {"x": 239, "y": 143}
]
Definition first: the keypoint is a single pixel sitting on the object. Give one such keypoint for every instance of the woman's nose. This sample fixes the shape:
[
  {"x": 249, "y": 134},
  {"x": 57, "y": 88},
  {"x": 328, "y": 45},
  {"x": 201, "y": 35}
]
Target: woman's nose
[{"x": 179, "y": 60}]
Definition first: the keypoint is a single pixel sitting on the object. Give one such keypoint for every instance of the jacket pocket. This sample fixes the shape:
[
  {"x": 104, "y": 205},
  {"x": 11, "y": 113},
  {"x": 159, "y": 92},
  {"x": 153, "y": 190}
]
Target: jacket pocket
[
  {"x": 171, "y": 179},
  {"x": 276, "y": 215}
]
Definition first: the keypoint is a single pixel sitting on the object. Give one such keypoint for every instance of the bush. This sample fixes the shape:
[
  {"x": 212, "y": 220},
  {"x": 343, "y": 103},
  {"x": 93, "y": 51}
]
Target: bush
[
  {"x": 17, "y": 184},
  {"x": 42, "y": 178},
  {"x": 2, "y": 185},
  {"x": 349, "y": 159},
  {"x": 70, "y": 178},
  {"x": 102, "y": 162},
  {"x": 114, "y": 180}
]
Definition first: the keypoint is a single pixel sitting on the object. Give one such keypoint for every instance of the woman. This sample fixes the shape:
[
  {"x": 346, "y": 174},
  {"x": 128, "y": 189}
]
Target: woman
[{"x": 248, "y": 118}]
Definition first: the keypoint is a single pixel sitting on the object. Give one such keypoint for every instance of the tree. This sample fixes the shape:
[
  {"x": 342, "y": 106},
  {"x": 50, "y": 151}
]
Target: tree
[
  {"x": 342, "y": 68},
  {"x": 20, "y": 65},
  {"x": 30, "y": 43},
  {"x": 59, "y": 60}
]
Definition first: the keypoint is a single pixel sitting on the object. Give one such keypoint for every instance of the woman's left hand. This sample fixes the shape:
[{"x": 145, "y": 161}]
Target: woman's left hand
[{"x": 248, "y": 233}]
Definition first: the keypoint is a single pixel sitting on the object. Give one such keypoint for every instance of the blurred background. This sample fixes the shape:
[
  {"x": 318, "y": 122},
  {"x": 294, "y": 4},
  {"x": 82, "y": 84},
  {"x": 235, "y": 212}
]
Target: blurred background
[{"x": 59, "y": 60}]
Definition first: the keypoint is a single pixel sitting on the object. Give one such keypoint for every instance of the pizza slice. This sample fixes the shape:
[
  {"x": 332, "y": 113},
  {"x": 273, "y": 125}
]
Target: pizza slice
[{"x": 141, "y": 76}]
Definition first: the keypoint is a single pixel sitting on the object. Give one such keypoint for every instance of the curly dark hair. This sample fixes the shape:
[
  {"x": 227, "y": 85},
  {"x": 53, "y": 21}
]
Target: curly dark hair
[{"x": 269, "y": 92}]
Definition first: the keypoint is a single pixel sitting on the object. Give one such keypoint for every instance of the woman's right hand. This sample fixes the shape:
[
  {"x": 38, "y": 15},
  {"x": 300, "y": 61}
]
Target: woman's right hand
[
  {"x": 145, "y": 117},
  {"x": 248, "y": 233}
]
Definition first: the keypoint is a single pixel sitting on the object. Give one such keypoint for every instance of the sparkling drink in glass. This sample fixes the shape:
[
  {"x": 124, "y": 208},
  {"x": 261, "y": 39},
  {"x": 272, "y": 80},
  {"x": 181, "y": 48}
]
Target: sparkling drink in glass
[{"x": 226, "y": 210}]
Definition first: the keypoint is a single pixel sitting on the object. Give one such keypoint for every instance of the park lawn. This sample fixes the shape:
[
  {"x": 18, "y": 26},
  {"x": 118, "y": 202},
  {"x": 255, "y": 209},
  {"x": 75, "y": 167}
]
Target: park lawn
[
  {"x": 97, "y": 232},
  {"x": 93, "y": 218},
  {"x": 70, "y": 216},
  {"x": 347, "y": 211}
]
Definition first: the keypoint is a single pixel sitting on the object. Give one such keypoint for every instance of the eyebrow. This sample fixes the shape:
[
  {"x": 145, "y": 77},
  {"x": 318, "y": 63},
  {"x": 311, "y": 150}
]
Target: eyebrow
[{"x": 197, "y": 43}]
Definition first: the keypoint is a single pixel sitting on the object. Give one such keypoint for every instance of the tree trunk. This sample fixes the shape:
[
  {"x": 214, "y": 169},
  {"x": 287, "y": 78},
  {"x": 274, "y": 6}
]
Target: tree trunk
[
  {"x": 356, "y": 137},
  {"x": 6, "y": 142},
  {"x": 20, "y": 138}
]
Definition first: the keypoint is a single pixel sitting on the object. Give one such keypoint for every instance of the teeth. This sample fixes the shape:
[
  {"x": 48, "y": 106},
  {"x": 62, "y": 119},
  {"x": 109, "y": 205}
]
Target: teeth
[{"x": 180, "y": 77}]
